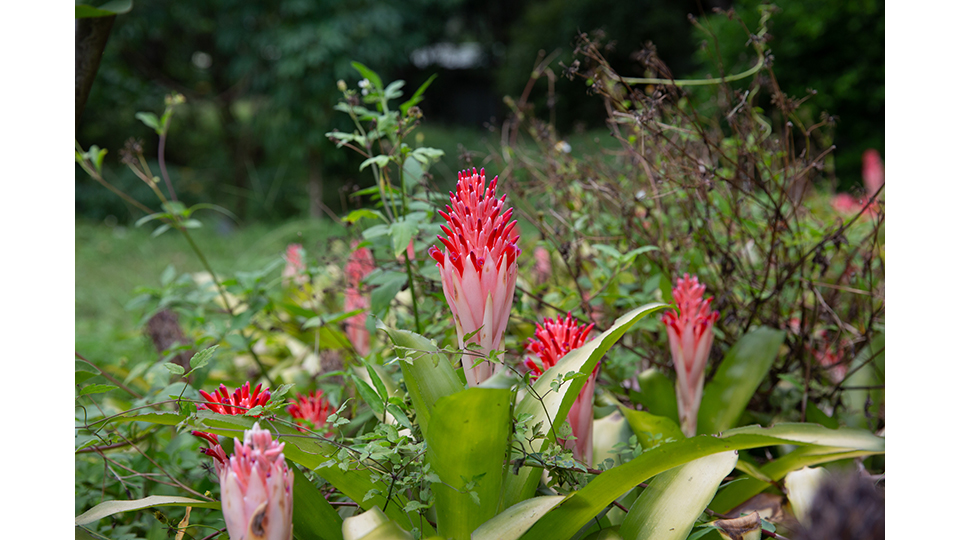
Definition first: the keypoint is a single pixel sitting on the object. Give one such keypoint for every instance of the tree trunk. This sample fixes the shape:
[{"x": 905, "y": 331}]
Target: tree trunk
[{"x": 91, "y": 39}]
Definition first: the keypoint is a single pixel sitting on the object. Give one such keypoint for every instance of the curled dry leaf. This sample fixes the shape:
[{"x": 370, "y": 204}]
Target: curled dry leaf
[{"x": 742, "y": 528}]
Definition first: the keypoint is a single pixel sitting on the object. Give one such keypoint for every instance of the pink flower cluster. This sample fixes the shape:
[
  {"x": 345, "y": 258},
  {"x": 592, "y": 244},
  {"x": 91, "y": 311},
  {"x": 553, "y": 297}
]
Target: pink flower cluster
[
  {"x": 690, "y": 332},
  {"x": 359, "y": 266},
  {"x": 552, "y": 341},
  {"x": 873, "y": 179},
  {"x": 478, "y": 268}
]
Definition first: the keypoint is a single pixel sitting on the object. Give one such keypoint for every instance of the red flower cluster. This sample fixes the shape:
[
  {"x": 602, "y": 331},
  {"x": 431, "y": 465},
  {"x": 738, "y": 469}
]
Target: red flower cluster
[
  {"x": 242, "y": 399},
  {"x": 312, "y": 408}
]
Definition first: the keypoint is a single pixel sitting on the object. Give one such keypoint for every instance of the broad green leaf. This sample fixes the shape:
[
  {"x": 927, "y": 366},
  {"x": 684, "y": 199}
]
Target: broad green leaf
[
  {"x": 743, "y": 368},
  {"x": 552, "y": 407},
  {"x": 109, "y": 508},
  {"x": 96, "y": 389},
  {"x": 113, "y": 7},
  {"x": 670, "y": 505},
  {"x": 607, "y": 432},
  {"x": 652, "y": 430},
  {"x": 373, "y": 525},
  {"x": 657, "y": 394},
  {"x": 429, "y": 375},
  {"x": 514, "y": 521},
  {"x": 467, "y": 442},
  {"x": 740, "y": 491},
  {"x": 313, "y": 516},
  {"x": 580, "y": 507}
]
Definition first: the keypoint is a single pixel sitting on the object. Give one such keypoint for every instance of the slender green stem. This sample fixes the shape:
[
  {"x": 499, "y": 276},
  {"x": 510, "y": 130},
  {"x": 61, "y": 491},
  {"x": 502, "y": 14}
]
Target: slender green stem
[
  {"x": 699, "y": 82},
  {"x": 413, "y": 291}
]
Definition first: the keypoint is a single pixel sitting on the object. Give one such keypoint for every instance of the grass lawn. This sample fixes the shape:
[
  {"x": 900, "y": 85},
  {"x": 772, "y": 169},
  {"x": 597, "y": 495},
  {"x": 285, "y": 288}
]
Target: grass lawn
[{"x": 111, "y": 262}]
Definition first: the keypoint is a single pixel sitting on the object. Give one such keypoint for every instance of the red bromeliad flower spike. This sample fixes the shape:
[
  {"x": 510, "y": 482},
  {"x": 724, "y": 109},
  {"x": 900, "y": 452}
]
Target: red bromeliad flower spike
[
  {"x": 312, "y": 408},
  {"x": 551, "y": 342},
  {"x": 222, "y": 400},
  {"x": 478, "y": 267},
  {"x": 690, "y": 333}
]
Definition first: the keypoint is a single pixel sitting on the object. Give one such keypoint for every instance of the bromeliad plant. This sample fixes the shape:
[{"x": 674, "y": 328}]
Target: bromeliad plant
[
  {"x": 478, "y": 268},
  {"x": 471, "y": 441}
]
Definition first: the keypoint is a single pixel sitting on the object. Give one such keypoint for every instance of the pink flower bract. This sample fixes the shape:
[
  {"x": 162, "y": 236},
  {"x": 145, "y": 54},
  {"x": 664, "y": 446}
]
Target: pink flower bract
[
  {"x": 295, "y": 268},
  {"x": 359, "y": 266},
  {"x": 690, "y": 333},
  {"x": 478, "y": 268},
  {"x": 551, "y": 342},
  {"x": 256, "y": 489}
]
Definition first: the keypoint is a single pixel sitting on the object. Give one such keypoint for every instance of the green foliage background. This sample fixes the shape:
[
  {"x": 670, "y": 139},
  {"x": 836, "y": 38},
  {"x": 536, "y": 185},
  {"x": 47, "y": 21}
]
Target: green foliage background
[{"x": 260, "y": 81}]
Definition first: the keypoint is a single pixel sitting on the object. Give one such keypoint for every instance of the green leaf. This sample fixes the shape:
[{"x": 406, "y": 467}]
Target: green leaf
[
  {"x": 368, "y": 395},
  {"x": 110, "y": 508},
  {"x": 412, "y": 173},
  {"x": 176, "y": 369},
  {"x": 377, "y": 382},
  {"x": 160, "y": 230},
  {"x": 580, "y": 507},
  {"x": 401, "y": 231},
  {"x": 652, "y": 430},
  {"x": 313, "y": 517},
  {"x": 657, "y": 394},
  {"x": 113, "y": 7},
  {"x": 151, "y": 217},
  {"x": 429, "y": 375},
  {"x": 383, "y": 295},
  {"x": 427, "y": 155},
  {"x": 417, "y": 96},
  {"x": 380, "y": 160},
  {"x": 96, "y": 389},
  {"x": 743, "y": 368},
  {"x": 150, "y": 120},
  {"x": 516, "y": 520},
  {"x": 392, "y": 91},
  {"x": 553, "y": 407},
  {"x": 467, "y": 440},
  {"x": 740, "y": 491},
  {"x": 202, "y": 358},
  {"x": 373, "y": 525},
  {"x": 670, "y": 505},
  {"x": 369, "y": 75},
  {"x": 357, "y": 215}
]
